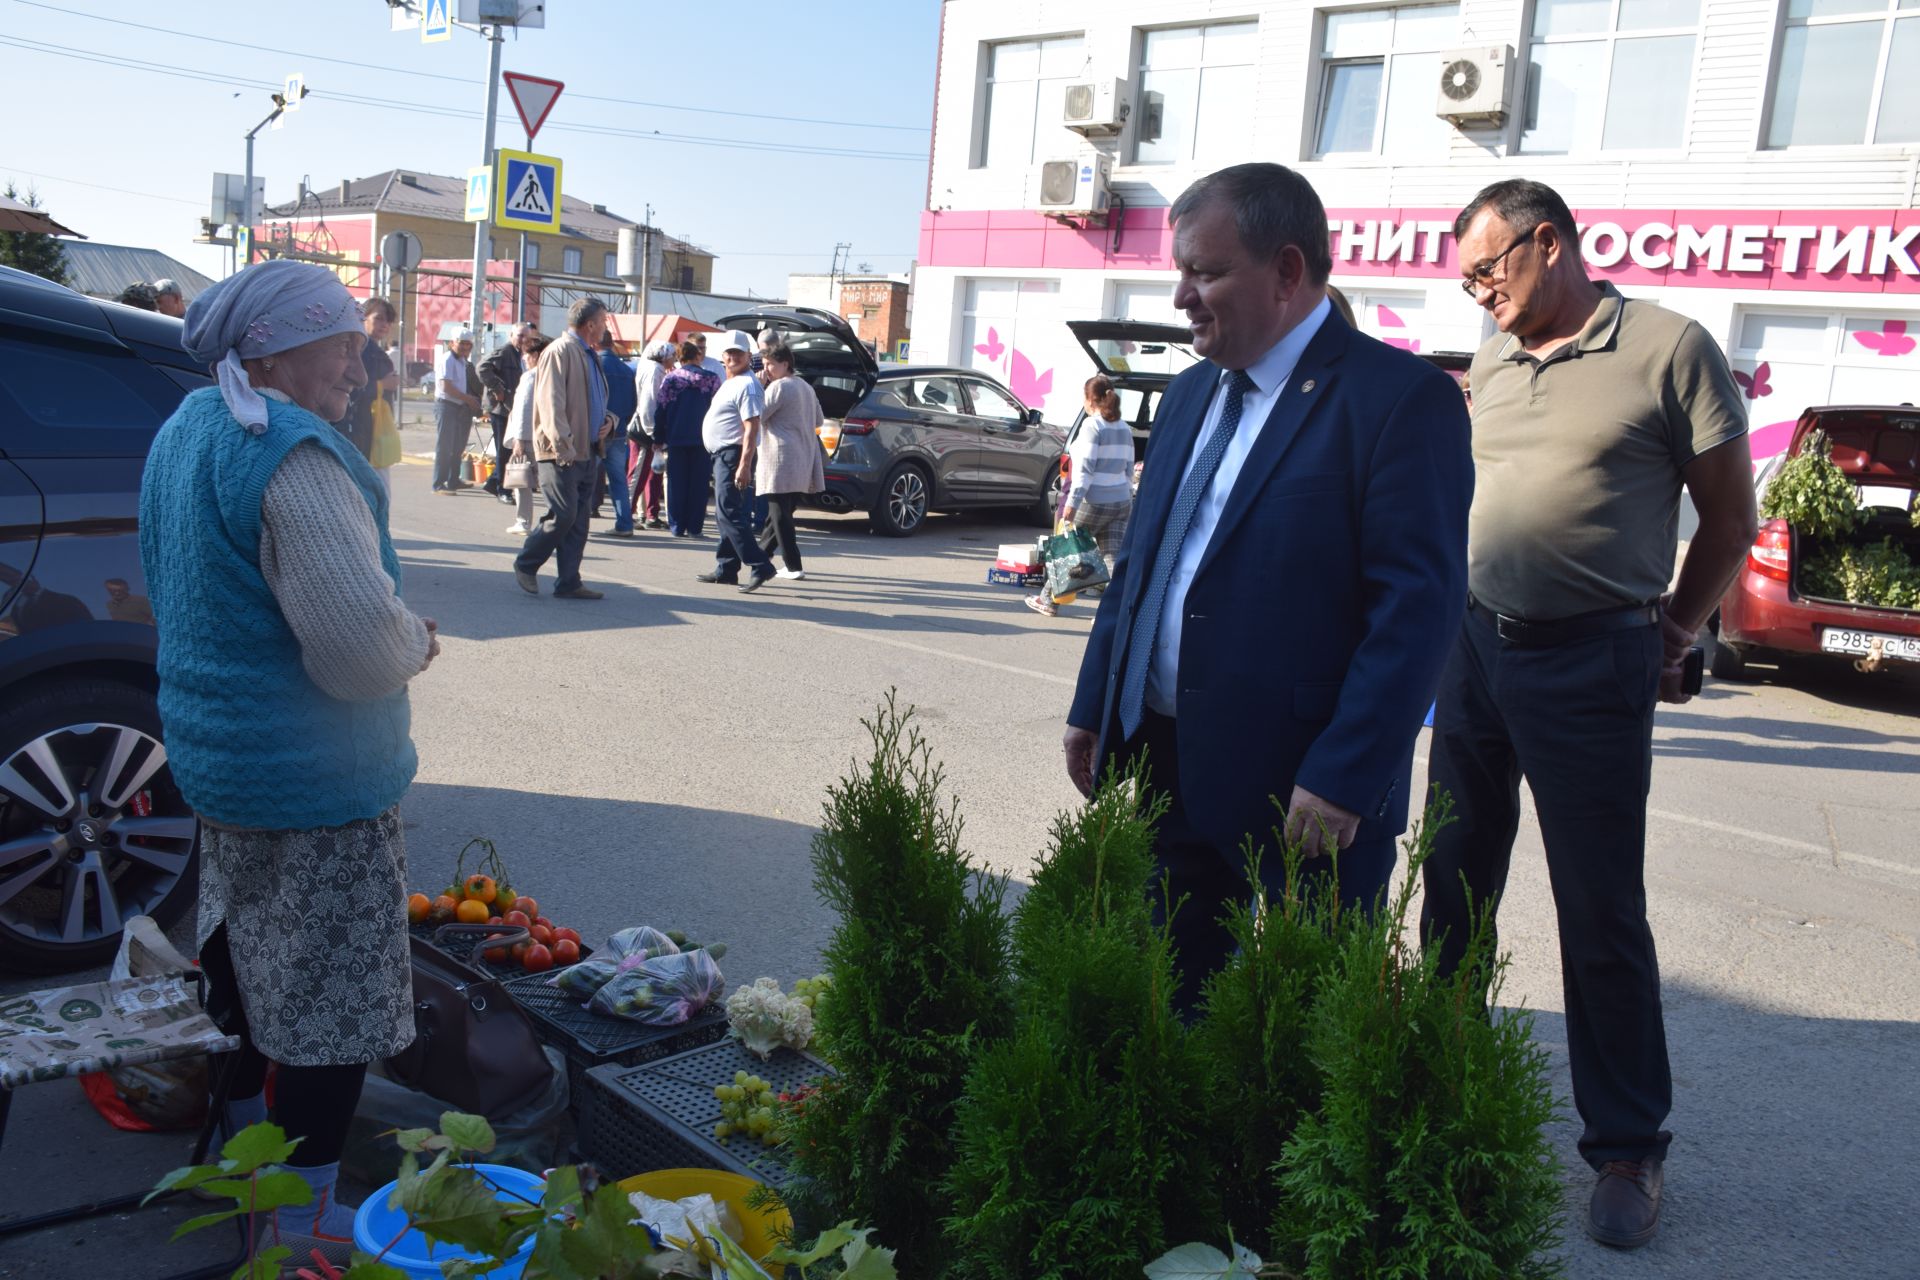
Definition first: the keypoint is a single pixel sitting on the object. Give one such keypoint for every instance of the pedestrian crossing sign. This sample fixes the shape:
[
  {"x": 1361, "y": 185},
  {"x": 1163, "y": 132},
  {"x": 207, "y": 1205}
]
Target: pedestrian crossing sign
[{"x": 527, "y": 191}]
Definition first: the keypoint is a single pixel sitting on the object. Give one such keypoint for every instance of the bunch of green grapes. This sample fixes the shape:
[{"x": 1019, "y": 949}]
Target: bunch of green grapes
[
  {"x": 746, "y": 1109},
  {"x": 807, "y": 990}
]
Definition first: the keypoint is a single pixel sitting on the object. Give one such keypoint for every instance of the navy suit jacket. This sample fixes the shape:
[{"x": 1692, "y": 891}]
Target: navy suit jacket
[{"x": 1326, "y": 603}]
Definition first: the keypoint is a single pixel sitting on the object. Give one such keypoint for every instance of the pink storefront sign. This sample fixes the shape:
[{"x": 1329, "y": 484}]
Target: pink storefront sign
[{"x": 1832, "y": 250}]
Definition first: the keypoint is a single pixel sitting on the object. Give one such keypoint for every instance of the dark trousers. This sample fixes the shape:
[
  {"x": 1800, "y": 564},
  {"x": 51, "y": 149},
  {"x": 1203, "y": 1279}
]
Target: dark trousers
[
  {"x": 562, "y": 532},
  {"x": 314, "y": 1103},
  {"x": 689, "y": 472},
  {"x": 1210, "y": 877},
  {"x": 1576, "y": 721},
  {"x": 733, "y": 512},
  {"x": 778, "y": 529},
  {"x": 501, "y": 450}
]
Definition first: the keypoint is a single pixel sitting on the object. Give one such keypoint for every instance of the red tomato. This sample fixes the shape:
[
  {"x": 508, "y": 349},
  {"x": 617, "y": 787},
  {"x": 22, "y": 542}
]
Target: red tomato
[
  {"x": 542, "y": 935},
  {"x": 543, "y": 921},
  {"x": 520, "y": 918},
  {"x": 566, "y": 935},
  {"x": 493, "y": 919},
  {"x": 566, "y": 951},
  {"x": 520, "y": 951},
  {"x": 537, "y": 960},
  {"x": 495, "y": 955},
  {"x": 526, "y": 906}
]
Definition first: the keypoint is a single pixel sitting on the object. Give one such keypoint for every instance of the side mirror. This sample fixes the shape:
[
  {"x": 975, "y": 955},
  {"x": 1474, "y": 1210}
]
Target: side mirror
[{"x": 1033, "y": 418}]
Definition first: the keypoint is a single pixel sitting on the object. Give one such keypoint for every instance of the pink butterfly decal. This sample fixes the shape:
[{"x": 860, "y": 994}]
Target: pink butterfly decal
[
  {"x": 992, "y": 347},
  {"x": 1029, "y": 388},
  {"x": 1388, "y": 320},
  {"x": 1892, "y": 340},
  {"x": 1755, "y": 384},
  {"x": 1764, "y": 442},
  {"x": 1405, "y": 344}
]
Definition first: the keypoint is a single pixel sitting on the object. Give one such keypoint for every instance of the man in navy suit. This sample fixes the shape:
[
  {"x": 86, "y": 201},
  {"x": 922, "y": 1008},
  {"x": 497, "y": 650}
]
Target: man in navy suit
[{"x": 1294, "y": 574}]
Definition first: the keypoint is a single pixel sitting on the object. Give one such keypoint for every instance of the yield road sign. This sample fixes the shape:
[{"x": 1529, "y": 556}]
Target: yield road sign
[
  {"x": 533, "y": 98},
  {"x": 479, "y": 193},
  {"x": 436, "y": 22},
  {"x": 527, "y": 191}
]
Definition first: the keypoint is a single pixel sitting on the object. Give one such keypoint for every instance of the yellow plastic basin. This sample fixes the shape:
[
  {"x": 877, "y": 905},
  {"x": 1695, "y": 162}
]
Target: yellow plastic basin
[{"x": 760, "y": 1226}]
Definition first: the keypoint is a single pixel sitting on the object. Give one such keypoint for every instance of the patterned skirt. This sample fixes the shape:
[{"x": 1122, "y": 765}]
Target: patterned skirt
[{"x": 317, "y": 923}]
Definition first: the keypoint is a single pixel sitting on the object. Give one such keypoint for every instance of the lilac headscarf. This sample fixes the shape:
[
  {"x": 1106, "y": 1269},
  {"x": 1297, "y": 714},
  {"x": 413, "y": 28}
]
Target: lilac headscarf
[{"x": 263, "y": 310}]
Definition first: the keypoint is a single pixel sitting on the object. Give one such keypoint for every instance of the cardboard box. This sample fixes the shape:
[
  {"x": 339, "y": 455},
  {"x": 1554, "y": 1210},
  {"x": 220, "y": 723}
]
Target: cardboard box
[
  {"x": 1019, "y": 556},
  {"x": 1008, "y": 578}
]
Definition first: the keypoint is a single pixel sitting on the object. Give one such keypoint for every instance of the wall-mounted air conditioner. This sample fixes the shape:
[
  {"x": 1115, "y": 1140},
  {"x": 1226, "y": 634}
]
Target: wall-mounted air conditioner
[
  {"x": 1096, "y": 109},
  {"x": 1476, "y": 87},
  {"x": 1076, "y": 188}
]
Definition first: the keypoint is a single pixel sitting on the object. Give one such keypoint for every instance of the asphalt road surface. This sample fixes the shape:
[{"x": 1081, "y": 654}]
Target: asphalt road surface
[{"x": 661, "y": 757}]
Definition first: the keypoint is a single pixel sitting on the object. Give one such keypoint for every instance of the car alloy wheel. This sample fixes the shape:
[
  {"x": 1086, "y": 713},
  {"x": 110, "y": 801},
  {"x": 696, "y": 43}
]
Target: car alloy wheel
[
  {"x": 92, "y": 832},
  {"x": 906, "y": 500}
]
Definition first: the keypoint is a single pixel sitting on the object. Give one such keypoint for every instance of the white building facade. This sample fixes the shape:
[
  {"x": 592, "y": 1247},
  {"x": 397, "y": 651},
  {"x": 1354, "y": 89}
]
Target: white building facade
[{"x": 1750, "y": 163}]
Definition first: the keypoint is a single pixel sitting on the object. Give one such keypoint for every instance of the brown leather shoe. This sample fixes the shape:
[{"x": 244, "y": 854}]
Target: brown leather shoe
[{"x": 1625, "y": 1210}]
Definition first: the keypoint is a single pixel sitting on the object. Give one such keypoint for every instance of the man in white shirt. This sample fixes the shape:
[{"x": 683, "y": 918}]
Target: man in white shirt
[
  {"x": 454, "y": 405},
  {"x": 731, "y": 433},
  {"x": 1295, "y": 568}
]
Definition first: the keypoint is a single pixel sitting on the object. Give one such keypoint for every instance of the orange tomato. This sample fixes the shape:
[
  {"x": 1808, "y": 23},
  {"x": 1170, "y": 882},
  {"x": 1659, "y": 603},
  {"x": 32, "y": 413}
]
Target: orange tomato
[
  {"x": 472, "y": 911},
  {"x": 418, "y": 904},
  {"x": 442, "y": 909},
  {"x": 566, "y": 951},
  {"x": 525, "y": 904},
  {"x": 537, "y": 960},
  {"x": 482, "y": 888},
  {"x": 495, "y": 955},
  {"x": 542, "y": 934},
  {"x": 517, "y": 918}
]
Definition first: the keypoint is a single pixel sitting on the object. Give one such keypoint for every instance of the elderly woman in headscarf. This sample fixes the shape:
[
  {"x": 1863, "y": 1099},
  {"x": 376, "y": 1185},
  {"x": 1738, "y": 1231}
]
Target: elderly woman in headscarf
[
  {"x": 649, "y": 480},
  {"x": 285, "y": 653}
]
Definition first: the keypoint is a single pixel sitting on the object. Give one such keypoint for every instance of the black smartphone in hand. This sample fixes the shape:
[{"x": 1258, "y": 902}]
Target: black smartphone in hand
[{"x": 1694, "y": 671}]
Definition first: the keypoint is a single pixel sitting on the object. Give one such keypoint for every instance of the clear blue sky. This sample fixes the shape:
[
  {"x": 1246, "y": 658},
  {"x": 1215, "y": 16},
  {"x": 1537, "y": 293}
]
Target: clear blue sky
[{"x": 91, "y": 98}]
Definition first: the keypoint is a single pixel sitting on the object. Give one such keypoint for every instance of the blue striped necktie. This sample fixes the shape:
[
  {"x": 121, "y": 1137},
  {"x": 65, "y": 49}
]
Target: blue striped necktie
[{"x": 1146, "y": 619}]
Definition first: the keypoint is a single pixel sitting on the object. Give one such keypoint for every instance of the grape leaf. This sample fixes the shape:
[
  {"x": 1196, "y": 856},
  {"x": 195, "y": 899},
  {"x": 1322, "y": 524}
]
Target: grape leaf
[
  {"x": 191, "y": 1175},
  {"x": 1191, "y": 1262},
  {"x": 412, "y": 1139},
  {"x": 470, "y": 1133},
  {"x": 265, "y": 1265},
  {"x": 257, "y": 1145},
  {"x": 365, "y": 1268},
  {"x": 204, "y": 1220},
  {"x": 867, "y": 1262},
  {"x": 831, "y": 1240}
]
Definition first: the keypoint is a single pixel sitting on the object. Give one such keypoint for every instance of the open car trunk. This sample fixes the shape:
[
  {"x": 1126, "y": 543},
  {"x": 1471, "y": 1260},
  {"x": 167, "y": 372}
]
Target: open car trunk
[
  {"x": 826, "y": 352},
  {"x": 1878, "y": 450}
]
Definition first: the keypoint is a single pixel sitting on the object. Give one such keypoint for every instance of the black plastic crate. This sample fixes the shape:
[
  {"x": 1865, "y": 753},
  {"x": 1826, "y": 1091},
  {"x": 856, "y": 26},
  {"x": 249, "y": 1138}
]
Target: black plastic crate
[
  {"x": 661, "y": 1115},
  {"x": 590, "y": 1039}
]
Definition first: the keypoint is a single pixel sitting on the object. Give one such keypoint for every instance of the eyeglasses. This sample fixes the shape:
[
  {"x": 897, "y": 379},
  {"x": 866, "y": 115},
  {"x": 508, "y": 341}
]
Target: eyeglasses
[{"x": 1483, "y": 277}]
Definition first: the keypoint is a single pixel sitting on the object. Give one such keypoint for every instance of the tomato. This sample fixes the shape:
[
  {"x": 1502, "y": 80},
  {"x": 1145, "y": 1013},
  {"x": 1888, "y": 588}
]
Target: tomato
[
  {"x": 526, "y": 903},
  {"x": 418, "y": 904},
  {"x": 542, "y": 935},
  {"x": 482, "y": 888},
  {"x": 566, "y": 951},
  {"x": 519, "y": 918},
  {"x": 519, "y": 952},
  {"x": 495, "y": 955},
  {"x": 472, "y": 911},
  {"x": 493, "y": 919},
  {"x": 537, "y": 960},
  {"x": 543, "y": 922},
  {"x": 567, "y": 935},
  {"x": 442, "y": 909}
]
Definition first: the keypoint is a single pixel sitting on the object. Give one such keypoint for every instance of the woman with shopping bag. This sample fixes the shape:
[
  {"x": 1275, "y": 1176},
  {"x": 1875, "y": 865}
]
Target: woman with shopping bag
[{"x": 1099, "y": 501}]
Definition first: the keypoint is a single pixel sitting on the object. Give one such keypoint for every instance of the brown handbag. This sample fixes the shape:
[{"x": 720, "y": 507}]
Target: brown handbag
[{"x": 473, "y": 1048}]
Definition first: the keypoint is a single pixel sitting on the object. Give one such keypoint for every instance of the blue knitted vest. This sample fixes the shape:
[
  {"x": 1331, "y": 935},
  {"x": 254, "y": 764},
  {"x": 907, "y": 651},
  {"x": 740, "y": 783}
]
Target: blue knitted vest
[{"x": 252, "y": 740}]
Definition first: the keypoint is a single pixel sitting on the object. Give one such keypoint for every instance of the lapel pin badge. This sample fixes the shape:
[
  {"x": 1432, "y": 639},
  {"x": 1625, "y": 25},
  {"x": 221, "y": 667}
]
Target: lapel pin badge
[{"x": 1306, "y": 386}]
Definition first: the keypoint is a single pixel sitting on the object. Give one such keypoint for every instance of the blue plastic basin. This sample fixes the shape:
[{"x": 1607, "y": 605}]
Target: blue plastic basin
[{"x": 376, "y": 1224}]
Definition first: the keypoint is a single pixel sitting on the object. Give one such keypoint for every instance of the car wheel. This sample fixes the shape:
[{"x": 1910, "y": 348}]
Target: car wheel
[
  {"x": 1044, "y": 512},
  {"x": 904, "y": 499},
  {"x": 1725, "y": 661},
  {"x": 93, "y": 830}
]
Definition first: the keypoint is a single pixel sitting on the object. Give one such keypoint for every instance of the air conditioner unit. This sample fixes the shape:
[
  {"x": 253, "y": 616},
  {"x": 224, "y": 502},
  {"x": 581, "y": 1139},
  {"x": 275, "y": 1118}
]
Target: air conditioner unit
[
  {"x": 1476, "y": 87},
  {"x": 1077, "y": 187},
  {"x": 1096, "y": 109}
]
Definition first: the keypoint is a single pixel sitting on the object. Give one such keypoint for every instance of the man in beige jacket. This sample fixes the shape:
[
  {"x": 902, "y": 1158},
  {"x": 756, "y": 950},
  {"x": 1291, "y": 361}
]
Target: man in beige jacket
[{"x": 570, "y": 420}]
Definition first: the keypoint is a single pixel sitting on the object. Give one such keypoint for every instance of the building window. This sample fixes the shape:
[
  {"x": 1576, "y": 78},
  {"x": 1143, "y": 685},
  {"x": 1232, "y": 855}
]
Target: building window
[
  {"x": 1379, "y": 76},
  {"x": 686, "y": 277},
  {"x": 533, "y": 255},
  {"x": 1011, "y": 330},
  {"x": 570, "y": 261},
  {"x": 610, "y": 265},
  {"x": 1784, "y": 360},
  {"x": 1025, "y": 93},
  {"x": 1196, "y": 92},
  {"x": 1609, "y": 75},
  {"x": 1849, "y": 72}
]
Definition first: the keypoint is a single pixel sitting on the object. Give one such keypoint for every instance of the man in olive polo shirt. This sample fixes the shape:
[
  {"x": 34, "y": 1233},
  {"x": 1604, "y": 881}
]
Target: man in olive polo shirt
[{"x": 1590, "y": 412}]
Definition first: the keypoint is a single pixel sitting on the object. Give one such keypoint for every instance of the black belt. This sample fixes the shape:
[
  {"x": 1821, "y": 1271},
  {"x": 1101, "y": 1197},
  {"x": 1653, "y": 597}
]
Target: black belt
[{"x": 1544, "y": 635}]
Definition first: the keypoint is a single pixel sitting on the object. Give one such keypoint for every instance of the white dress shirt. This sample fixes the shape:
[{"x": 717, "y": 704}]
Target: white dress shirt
[{"x": 1270, "y": 374}]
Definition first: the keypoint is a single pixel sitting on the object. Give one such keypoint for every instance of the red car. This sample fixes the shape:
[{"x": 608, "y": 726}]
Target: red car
[{"x": 1766, "y": 615}]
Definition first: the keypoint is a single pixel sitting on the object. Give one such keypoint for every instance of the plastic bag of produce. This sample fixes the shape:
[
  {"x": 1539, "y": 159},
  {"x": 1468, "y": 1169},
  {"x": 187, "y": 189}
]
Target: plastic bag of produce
[
  {"x": 640, "y": 938},
  {"x": 581, "y": 980},
  {"x": 661, "y": 991}
]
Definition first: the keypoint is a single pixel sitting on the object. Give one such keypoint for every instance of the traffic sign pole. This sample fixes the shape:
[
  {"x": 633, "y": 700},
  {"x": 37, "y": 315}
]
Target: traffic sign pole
[{"x": 484, "y": 226}]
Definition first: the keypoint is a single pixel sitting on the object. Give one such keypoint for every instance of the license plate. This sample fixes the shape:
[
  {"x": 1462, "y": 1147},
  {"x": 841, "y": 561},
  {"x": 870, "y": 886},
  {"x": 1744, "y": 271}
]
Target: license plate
[{"x": 1861, "y": 643}]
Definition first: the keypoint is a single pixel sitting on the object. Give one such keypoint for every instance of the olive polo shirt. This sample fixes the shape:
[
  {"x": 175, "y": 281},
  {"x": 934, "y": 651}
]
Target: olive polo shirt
[{"x": 1577, "y": 459}]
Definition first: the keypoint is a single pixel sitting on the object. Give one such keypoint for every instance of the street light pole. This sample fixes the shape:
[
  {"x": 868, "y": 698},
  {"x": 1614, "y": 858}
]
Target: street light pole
[
  {"x": 246, "y": 189},
  {"x": 483, "y": 228}
]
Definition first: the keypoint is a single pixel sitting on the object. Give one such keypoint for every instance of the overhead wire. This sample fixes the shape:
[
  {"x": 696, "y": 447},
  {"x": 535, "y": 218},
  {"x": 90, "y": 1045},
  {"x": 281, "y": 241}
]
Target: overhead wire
[{"x": 434, "y": 75}]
